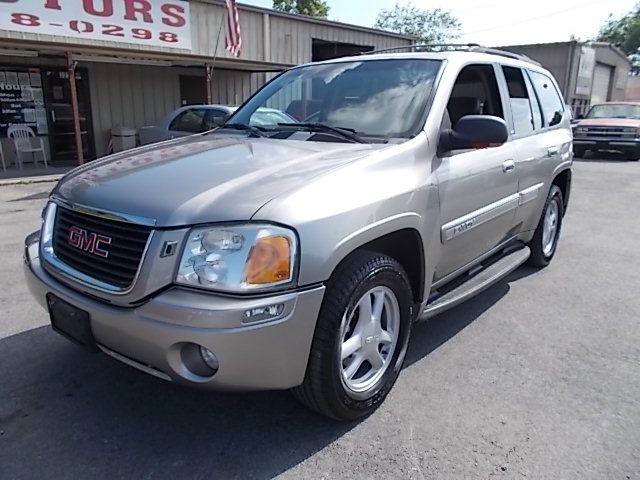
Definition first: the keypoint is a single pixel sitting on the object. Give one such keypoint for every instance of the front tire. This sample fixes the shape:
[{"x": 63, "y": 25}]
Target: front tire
[
  {"x": 361, "y": 338},
  {"x": 547, "y": 235}
]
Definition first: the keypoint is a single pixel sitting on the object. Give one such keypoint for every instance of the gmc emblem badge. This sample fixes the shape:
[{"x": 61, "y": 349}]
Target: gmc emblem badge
[{"x": 89, "y": 241}]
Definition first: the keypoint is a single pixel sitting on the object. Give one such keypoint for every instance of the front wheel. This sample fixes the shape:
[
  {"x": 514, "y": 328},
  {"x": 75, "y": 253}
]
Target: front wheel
[
  {"x": 547, "y": 234},
  {"x": 361, "y": 338}
]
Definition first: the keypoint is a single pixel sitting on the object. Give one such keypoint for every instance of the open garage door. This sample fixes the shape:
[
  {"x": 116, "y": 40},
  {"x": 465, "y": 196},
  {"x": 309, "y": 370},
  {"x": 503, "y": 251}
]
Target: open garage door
[{"x": 601, "y": 83}]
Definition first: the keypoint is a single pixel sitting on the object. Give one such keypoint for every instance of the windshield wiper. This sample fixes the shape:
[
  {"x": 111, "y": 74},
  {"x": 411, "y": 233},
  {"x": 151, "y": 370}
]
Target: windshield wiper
[
  {"x": 243, "y": 127},
  {"x": 349, "y": 133}
]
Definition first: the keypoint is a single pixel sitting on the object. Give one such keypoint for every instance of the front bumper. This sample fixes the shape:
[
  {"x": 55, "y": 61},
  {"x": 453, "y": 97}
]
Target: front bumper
[
  {"x": 596, "y": 144},
  {"x": 152, "y": 337}
]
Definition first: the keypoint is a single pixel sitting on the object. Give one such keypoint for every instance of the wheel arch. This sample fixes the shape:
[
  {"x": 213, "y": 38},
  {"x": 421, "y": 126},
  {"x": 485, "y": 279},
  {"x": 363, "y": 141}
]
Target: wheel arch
[
  {"x": 407, "y": 248},
  {"x": 562, "y": 179}
]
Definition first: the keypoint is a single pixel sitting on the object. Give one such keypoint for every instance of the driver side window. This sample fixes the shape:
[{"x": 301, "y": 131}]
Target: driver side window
[{"x": 475, "y": 92}]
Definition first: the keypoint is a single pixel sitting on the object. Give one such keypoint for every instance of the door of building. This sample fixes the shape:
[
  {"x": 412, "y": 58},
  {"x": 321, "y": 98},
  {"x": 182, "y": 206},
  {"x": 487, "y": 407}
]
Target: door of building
[
  {"x": 193, "y": 90},
  {"x": 57, "y": 96}
]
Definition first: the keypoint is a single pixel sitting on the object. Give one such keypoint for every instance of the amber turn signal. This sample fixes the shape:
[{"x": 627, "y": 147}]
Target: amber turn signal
[{"x": 269, "y": 261}]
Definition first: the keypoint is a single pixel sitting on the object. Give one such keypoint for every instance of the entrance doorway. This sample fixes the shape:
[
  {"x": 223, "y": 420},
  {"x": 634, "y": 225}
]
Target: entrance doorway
[
  {"x": 57, "y": 97},
  {"x": 325, "y": 50},
  {"x": 193, "y": 90}
]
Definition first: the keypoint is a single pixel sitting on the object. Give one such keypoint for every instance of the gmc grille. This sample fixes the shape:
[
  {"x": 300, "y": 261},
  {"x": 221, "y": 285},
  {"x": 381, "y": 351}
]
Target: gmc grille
[{"x": 124, "y": 252}]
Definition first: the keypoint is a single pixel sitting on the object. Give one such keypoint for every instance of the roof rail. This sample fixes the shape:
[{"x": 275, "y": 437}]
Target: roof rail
[
  {"x": 503, "y": 53},
  {"x": 471, "y": 47},
  {"x": 426, "y": 46}
]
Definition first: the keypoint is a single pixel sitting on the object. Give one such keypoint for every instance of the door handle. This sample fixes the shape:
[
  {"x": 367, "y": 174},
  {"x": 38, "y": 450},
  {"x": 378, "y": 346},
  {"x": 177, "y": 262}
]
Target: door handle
[
  {"x": 553, "y": 151},
  {"x": 53, "y": 116},
  {"x": 508, "y": 166}
]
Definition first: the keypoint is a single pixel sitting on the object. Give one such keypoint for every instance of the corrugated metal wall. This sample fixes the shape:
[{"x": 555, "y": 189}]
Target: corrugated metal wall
[
  {"x": 205, "y": 26},
  {"x": 291, "y": 42},
  {"x": 130, "y": 95},
  {"x": 135, "y": 95},
  {"x": 287, "y": 40},
  {"x": 234, "y": 87}
]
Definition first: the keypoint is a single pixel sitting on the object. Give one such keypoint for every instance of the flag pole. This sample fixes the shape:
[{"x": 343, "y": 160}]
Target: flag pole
[{"x": 209, "y": 67}]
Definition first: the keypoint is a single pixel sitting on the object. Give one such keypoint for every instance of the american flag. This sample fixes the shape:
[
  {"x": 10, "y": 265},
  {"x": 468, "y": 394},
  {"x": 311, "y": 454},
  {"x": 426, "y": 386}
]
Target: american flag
[{"x": 234, "y": 39}]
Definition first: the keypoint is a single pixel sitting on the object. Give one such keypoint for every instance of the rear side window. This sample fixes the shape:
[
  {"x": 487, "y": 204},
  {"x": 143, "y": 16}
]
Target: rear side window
[
  {"x": 550, "y": 100},
  {"x": 522, "y": 107}
]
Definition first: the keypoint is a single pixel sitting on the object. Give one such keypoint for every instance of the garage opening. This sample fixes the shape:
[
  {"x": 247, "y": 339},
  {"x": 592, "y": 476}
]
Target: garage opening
[
  {"x": 602, "y": 80},
  {"x": 325, "y": 50}
]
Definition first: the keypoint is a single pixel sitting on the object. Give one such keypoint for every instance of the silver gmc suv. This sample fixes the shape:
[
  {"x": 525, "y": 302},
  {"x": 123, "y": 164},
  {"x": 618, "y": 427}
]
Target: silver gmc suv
[{"x": 298, "y": 255}]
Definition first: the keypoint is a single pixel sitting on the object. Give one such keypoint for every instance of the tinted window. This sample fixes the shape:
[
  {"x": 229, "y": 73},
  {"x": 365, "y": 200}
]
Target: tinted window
[
  {"x": 535, "y": 104},
  {"x": 191, "y": 121},
  {"x": 550, "y": 100},
  {"x": 474, "y": 93},
  {"x": 521, "y": 105}
]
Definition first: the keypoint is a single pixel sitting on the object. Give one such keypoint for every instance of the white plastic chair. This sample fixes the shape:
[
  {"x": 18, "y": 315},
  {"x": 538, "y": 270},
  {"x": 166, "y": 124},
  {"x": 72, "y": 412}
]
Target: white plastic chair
[{"x": 21, "y": 136}]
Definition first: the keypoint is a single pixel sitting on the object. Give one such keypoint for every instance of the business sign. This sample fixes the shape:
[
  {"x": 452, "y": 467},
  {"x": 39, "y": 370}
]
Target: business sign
[
  {"x": 21, "y": 99},
  {"x": 159, "y": 23},
  {"x": 585, "y": 71}
]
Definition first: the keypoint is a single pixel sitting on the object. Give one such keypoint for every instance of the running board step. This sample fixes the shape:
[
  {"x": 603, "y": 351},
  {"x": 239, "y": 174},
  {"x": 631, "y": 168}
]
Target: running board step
[{"x": 477, "y": 283}]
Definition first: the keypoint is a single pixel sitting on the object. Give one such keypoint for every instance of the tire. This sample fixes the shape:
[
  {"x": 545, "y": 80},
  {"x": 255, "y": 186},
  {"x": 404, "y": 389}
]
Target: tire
[
  {"x": 326, "y": 388},
  {"x": 632, "y": 156},
  {"x": 579, "y": 152},
  {"x": 543, "y": 247}
]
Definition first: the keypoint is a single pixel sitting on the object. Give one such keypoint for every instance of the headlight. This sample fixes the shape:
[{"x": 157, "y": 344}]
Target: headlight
[
  {"x": 582, "y": 130},
  {"x": 238, "y": 258}
]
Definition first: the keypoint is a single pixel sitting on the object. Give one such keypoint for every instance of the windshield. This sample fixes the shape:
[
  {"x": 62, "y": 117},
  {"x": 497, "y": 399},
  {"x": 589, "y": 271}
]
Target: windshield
[
  {"x": 376, "y": 98},
  {"x": 614, "y": 111}
]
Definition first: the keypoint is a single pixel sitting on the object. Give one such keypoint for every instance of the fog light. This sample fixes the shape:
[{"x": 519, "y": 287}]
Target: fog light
[
  {"x": 261, "y": 314},
  {"x": 209, "y": 358}
]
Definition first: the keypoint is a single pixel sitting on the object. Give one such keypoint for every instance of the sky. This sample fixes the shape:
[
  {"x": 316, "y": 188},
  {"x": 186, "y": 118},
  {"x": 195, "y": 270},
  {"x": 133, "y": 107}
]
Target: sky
[{"x": 497, "y": 22}]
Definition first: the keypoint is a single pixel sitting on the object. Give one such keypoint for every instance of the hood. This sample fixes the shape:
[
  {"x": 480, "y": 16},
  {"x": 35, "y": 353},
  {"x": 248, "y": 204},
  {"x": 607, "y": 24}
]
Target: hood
[
  {"x": 609, "y": 122},
  {"x": 204, "y": 178}
]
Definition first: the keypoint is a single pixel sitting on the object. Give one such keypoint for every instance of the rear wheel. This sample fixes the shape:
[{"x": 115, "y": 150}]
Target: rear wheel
[
  {"x": 547, "y": 234},
  {"x": 361, "y": 338}
]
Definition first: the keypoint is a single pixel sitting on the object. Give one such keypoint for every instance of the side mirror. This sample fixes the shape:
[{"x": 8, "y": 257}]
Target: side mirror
[
  {"x": 474, "y": 132},
  {"x": 580, "y": 116}
]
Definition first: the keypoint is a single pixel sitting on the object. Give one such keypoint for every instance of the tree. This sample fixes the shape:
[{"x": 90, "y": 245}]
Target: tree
[
  {"x": 426, "y": 26},
  {"x": 313, "y": 8},
  {"x": 623, "y": 32}
]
